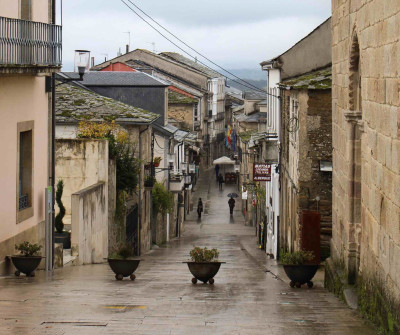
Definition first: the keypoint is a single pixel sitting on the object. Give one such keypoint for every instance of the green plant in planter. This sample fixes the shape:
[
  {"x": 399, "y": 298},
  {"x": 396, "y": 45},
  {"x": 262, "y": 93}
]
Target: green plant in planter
[
  {"x": 198, "y": 254},
  {"x": 124, "y": 252},
  {"x": 59, "y": 218},
  {"x": 149, "y": 181},
  {"x": 28, "y": 249},
  {"x": 157, "y": 161},
  {"x": 299, "y": 257}
]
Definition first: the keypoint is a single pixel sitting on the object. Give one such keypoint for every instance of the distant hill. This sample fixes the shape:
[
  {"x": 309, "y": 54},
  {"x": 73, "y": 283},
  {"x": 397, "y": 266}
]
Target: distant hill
[
  {"x": 254, "y": 77},
  {"x": 257, "y": 83},
  {"x": 254, "y": 74}
]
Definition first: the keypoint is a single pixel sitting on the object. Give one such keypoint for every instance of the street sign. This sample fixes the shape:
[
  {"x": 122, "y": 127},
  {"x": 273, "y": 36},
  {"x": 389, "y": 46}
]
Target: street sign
[{"x": 261, "y": 172}]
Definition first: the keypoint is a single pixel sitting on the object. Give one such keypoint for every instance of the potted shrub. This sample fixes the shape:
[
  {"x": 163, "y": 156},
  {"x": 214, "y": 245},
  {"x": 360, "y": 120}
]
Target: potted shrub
[
  {"x": 122, "y": 263},
  {"x": 204, "y": 264},
  {"x": 28, "y": 260},
  {"x": 61, "y": 236},
  {"x": 149, "y": 181},
  {"x": 299, "y": 267},
  {"x": 157, "y": 161}
]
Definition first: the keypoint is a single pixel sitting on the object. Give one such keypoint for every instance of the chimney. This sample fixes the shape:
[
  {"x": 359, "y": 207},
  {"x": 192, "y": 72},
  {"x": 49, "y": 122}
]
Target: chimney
[
  {"x": 127, "y": 48},
  {"x": 92, "y": 61}
]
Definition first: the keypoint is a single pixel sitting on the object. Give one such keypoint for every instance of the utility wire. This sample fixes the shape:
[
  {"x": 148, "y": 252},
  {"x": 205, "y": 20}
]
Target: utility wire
[
  {"x": 168, "y": 39},
  {"x": 184, "y": 43}
]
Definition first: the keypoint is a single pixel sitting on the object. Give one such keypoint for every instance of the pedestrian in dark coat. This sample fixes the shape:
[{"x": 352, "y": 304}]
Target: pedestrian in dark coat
[
  {"x": 231, "y": 204},
  {"x": 199, "y": 208},
  {"x": 220, "y": 181},
  {"x": 217, "y": 171}
]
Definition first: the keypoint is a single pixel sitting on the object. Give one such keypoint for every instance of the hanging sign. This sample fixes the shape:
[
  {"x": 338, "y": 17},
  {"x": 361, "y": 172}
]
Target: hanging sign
[
  {"x": 192, "y": 168},
  {"x": 261, "y": 172}
]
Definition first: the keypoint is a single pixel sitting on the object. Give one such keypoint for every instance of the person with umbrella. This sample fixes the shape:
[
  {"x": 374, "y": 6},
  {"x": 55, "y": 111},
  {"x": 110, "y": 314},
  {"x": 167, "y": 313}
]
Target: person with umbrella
[{"x": 231, "y": 204}]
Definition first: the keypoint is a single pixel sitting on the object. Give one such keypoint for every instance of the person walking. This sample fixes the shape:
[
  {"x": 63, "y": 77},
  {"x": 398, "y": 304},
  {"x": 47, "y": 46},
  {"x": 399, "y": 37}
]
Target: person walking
[
  {"x": 217, "y": 171},
  {"x": 231, "y": 204},
  {"x": 199, "y": 208},
  {"x": 220, "y": 181}
]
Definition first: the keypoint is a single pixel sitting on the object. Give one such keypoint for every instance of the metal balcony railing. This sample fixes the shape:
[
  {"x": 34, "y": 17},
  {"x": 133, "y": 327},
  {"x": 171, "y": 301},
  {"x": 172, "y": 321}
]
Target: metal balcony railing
[{"x": 24, "y": 43}]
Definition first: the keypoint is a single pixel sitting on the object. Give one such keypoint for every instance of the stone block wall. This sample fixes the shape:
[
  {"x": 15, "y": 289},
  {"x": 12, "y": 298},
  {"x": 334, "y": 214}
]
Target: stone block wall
[
  {"x": 366, "y": 154},
  {"x": 182, "y": 113},
  {"x": 301, "y": 178}
]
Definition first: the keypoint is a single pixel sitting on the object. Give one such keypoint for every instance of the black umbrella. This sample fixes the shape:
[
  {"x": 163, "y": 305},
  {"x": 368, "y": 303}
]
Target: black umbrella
[{"x": 233, "y": 195}]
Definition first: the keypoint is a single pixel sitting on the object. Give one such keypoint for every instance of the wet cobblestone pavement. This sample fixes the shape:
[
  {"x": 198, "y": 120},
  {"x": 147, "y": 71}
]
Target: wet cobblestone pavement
[{"x": 245, "y": 299}]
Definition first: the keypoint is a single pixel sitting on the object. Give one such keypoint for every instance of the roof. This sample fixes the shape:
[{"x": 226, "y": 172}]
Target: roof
[
  {"x": 191, "y": 63},
  {"x": 252, "y": 118},
  {"x": 74, "y": 104},
  {"x": 316, "y": 80},
  {"x": 177, "y": 98},
  {"x": 255, "y": 95},
  {"x": 111, "y": 78}
]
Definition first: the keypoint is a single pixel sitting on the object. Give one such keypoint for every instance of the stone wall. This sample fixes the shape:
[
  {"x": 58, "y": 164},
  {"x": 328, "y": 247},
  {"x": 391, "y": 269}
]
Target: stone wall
[
  {"x": 80, "y": 163},
  {"x": 366, "y": 155},
  {"x": 302, "y": 151},
  {"x": 89, "y": 237},
  {"x": 183, "y": 113}
]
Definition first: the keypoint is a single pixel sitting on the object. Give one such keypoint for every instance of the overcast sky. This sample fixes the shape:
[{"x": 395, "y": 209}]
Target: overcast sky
[{"x": 236, "y": 34}]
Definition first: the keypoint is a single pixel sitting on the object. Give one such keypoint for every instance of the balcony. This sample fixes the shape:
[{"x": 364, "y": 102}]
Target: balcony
[{"x": 29, "y": 47}]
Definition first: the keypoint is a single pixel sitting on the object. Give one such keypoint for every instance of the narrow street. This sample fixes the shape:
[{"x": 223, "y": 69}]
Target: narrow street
[{"x": 245, "y": 299}]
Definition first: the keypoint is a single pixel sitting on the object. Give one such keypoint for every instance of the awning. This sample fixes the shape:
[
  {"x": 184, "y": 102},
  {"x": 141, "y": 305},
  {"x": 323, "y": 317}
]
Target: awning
[{"x": 224, "y": 161}]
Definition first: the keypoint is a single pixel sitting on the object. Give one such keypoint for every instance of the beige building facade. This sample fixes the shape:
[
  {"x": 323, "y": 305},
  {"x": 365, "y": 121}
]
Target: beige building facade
[
  {"x": 366, "y": 149},
  {"x": 24, "y": 127}
]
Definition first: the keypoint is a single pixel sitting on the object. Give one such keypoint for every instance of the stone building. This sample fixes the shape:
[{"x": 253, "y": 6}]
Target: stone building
[
  {"x": 366, "y": 149},
  {"x": 81, "y": 164},
  {"x": 306, "y": 158},
  {"x": 207, "y": 85},
  {"x": 183, "y": 109},
  {"x": 25, "y": 129}
]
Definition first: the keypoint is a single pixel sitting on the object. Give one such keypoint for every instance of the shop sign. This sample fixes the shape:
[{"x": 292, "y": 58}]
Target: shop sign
[{"x": 261, "y": 172}]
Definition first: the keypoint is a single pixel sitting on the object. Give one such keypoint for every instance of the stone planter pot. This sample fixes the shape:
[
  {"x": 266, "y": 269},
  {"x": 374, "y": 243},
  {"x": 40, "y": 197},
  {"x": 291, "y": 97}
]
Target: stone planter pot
[
  {"x": 204, "y": 271},
  {"x": 64, "y": 238},
  {"x": 26, "y": 264},
  {"x": 123, "y": 267},
  {"x": 301, "y": 274}
]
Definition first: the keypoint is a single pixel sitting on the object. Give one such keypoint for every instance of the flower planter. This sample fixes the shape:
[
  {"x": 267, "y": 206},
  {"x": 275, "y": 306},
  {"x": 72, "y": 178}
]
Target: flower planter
[
  {"x": 26, "y": 264},
  {"x": 301, "y": 274},
  {"x": 123, "y": 267},
  {"x": 64, "y": 238},
  {"x": 204, "y": 271},
  {"x": 156, "y": 164}
]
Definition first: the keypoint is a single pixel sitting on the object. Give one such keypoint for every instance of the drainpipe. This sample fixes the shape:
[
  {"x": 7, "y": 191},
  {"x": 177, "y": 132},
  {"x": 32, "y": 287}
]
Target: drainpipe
[
  {"x": 140, "y": 184},
  {"x": 53, "y": 147}
]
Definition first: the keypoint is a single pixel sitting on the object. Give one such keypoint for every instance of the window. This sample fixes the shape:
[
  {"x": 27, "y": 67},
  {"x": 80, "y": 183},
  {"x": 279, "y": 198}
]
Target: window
[
  {"x": 25, "y": 9},
  {"x": 25, "y": 171},
  {"x": 195, "y": 113}
]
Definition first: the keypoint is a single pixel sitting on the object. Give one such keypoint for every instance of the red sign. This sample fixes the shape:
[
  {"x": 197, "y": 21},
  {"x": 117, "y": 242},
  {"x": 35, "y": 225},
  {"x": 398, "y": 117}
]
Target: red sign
[{"x": 261, "y": 172}]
